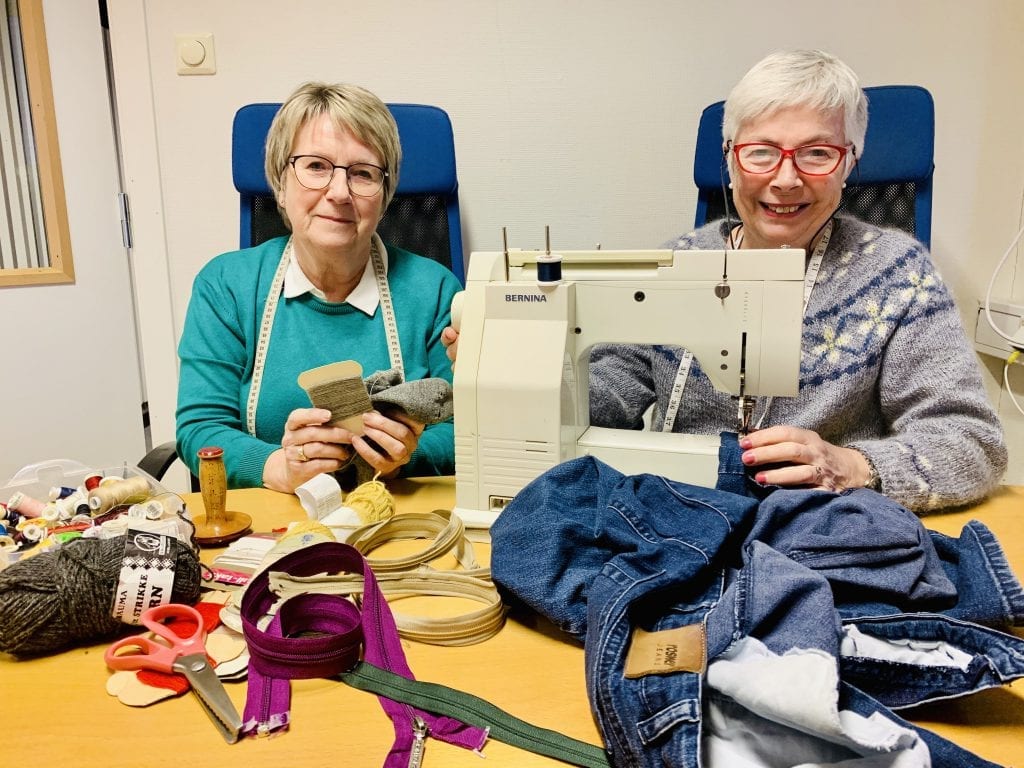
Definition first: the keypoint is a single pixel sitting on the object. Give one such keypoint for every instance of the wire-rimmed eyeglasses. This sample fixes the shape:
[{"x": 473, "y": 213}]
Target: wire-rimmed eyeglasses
[
  {"x": 810, "y": 159},
  {"x": 315, "y": 172}
]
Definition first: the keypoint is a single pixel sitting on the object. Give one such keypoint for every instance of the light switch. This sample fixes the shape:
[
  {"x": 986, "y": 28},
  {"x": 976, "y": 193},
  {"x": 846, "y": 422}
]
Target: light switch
[{"x": 195, "y": 54}]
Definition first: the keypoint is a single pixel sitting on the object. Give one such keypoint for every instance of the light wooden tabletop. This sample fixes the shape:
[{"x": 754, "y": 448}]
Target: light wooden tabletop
[{"x": 58, "y": 713}]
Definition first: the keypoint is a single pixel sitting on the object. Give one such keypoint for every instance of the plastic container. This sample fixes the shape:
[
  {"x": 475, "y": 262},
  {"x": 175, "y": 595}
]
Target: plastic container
[{"x": 36, "y": 480}]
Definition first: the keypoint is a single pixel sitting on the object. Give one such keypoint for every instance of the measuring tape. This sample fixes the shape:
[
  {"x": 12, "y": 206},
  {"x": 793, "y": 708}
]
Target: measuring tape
[
  {"x": 270, "y": 309},
  {"x": 686, "y": 360},
  {"x": 386, "y": 305}
]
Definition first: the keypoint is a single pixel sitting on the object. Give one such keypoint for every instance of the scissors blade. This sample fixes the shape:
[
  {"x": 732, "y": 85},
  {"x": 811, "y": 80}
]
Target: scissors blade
[{"x": 211, "y": 694}]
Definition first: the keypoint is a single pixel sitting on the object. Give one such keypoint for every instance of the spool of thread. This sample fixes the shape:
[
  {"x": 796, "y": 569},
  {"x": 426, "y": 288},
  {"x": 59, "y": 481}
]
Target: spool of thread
[
  {"x": 92, "y": 481},
  {"x": 68, "y": 506},
  {"x": 137, "y": 512},
  {"x": 25, "y": 505},
  {"x": 9, "y": 515},
  {"x": 111, "y": 494},
  {"x": 372, "y": 501},
  {"x": 549, "y": 268},
  {"x": 62, "y": 598},
  {"x": 163, "y": 505},
  {"x": 60, "y": 492},
  {"x": 33, "y": 533},
  {"x": 25, "y": 522}
]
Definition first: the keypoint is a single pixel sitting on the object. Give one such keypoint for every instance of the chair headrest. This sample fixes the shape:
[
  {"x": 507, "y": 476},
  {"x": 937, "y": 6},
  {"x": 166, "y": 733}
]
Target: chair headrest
[
  {"x": 425, "y": 132},
  {"x": 899, "y": 146}
]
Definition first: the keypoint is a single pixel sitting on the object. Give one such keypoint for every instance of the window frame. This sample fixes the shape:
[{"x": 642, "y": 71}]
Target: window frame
[{"x": 48, "y": 163}]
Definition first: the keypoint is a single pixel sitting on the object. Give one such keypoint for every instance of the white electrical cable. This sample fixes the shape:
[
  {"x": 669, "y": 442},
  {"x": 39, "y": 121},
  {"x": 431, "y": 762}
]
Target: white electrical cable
[
  {"x": 988, "y": 294},
  {"x": 1006, "y": 383}
]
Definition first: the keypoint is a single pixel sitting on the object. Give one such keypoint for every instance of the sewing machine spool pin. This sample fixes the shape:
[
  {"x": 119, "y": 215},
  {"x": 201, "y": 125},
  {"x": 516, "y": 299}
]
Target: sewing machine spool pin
[{"x": 549, "y": 265}]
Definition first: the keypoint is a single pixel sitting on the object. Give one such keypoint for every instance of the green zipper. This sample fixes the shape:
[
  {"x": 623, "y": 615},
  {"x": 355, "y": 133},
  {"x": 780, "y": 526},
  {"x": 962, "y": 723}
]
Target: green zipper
[{"x": 472, "y": 710}]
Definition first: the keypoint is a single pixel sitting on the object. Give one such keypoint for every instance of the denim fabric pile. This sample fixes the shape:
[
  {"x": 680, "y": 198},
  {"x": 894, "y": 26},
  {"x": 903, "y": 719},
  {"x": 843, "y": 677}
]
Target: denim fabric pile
[{"x": 812, "y": 615}]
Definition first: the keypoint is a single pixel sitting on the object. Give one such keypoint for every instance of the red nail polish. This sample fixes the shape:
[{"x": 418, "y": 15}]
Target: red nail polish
[
  {"x": 747, "y": 458},
  {"x": 745, "y": 442},
  {"x": 759, "y": 477}
]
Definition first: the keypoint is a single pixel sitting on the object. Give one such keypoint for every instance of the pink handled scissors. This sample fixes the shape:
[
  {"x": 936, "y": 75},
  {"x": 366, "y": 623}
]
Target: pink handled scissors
[{"x": 186, "y": 655}]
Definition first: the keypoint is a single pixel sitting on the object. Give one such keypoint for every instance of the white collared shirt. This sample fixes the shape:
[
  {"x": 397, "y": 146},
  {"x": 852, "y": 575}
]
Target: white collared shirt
[{"x": 365, "y": 296}]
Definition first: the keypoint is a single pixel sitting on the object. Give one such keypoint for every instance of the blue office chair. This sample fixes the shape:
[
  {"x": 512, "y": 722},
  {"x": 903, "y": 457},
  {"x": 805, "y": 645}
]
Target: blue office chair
[
  {"x": 892, "y": 184},
  {"x": 423, "y": 217}
]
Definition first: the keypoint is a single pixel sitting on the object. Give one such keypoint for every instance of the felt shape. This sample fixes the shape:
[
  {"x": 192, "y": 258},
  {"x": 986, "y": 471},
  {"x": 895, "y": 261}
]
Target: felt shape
[{"x": 131, "y": 691}]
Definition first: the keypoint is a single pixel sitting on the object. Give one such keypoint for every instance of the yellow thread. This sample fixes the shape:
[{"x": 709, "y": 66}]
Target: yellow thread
[
  {"x": 108, "y": 495},
  {"x": 372, "y": 501},
  {"x": 307, "y": 526},
  {"x": 1013, "y": 357}
]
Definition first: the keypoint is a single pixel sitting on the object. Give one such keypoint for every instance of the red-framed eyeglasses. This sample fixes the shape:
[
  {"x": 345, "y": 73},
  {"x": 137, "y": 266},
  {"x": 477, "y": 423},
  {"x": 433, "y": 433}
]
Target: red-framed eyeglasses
[{"x": 811, "y": 159}]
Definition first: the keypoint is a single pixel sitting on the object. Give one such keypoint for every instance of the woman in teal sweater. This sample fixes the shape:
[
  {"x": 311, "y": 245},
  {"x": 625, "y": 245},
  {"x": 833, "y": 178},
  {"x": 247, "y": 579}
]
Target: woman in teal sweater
[{"x": 331, "y": 291}]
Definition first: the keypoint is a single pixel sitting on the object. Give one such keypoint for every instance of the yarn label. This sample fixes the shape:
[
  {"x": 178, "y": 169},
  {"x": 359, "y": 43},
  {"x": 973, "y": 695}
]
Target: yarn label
[{"x": 146, "y": 579}]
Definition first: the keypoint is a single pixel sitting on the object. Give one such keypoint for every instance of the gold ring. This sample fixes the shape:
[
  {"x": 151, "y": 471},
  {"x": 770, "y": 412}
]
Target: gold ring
[
  {"x": 819, "y": 473},
  {"x": 302, "y": 454}
]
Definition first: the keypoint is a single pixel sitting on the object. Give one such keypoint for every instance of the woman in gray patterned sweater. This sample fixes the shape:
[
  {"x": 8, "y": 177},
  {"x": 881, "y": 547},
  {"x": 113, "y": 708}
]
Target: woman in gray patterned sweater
[{"x": 891, "y": 395}]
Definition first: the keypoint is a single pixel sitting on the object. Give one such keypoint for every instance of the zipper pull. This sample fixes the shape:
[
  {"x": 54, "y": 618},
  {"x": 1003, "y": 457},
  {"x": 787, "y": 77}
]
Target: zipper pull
[{"x": 419, "y": 742}]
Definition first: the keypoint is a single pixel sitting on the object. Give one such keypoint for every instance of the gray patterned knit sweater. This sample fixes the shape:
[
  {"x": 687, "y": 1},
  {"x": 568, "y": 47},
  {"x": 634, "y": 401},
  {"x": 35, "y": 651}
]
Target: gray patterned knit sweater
[{"x": 886, "y": 368}]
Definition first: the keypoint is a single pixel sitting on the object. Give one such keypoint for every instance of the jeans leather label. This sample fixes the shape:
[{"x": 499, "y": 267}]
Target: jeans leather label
[{"x": 683, "y": 649}]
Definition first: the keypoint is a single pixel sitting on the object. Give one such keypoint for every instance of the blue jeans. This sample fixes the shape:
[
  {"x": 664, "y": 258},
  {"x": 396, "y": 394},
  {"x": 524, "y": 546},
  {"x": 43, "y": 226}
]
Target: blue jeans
[{"x": 602, "y": 554}]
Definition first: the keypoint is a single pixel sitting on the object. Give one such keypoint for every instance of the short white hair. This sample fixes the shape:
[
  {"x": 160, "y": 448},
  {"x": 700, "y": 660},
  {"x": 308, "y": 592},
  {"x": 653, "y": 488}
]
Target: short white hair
[{"x": 800, "y": 78}]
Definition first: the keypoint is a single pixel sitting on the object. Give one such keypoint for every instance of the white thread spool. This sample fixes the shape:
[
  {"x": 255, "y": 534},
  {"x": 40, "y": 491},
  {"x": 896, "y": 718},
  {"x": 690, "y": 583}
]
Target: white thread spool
[{"x": 164, "y": 505}]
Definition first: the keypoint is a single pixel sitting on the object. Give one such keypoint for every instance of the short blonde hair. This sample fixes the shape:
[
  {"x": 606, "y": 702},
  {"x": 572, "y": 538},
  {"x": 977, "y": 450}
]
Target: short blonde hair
[
  {"x": 802, "y": 78},
  {"x": 350, "y": 107}
]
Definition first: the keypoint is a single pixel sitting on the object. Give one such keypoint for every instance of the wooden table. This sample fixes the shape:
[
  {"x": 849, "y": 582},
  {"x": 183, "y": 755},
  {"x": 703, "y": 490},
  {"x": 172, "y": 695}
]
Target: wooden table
[{"x": 57, "y": 711}]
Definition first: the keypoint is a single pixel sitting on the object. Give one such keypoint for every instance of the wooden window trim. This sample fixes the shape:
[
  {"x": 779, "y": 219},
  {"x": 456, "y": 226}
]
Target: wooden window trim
[{"x": 51, "y": 180}]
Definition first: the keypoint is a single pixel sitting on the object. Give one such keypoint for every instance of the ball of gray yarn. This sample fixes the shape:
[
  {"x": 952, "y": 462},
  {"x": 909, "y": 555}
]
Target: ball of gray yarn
[{"x": 62, "y": 598}]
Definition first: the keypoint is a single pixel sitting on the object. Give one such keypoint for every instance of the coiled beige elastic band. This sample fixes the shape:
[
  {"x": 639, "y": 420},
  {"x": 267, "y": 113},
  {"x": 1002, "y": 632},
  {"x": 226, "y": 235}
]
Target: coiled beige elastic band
[
  {"x": 412, "y": 576},
  {"x": 446, "y": 531}
]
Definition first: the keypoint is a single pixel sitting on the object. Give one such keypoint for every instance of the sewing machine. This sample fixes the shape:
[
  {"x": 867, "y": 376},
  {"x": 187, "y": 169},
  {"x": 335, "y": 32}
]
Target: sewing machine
[{"x": 528, "y": 319}]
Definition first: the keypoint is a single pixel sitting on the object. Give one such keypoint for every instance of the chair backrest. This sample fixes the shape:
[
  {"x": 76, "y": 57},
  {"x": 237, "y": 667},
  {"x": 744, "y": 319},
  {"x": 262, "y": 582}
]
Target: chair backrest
[
  {"x": 423, "y": 216},
  {"x": 891, "y": 185}
]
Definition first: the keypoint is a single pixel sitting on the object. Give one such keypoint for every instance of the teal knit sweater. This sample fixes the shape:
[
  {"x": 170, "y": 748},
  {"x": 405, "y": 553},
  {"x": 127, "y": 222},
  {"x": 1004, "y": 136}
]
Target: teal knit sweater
[
  {"x": 217, "y": 352},
  {"x": 886, "y": 368}
]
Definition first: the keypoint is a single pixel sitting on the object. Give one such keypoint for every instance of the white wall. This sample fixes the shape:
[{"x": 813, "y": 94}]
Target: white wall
[
  {"x": 551, "y": 100},
  {"x": 71, "y": 386}
]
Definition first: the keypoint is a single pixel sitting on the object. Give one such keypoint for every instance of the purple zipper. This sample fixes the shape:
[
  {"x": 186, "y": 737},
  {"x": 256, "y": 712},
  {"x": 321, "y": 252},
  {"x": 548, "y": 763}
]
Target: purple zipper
[{"x": 286, "y": 650}]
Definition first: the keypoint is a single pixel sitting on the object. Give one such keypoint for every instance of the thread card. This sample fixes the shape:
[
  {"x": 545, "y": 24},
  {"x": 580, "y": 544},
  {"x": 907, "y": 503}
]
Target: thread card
[
  {"x": 146, "y": 579},
  {"x": 340, "y": 389}
]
